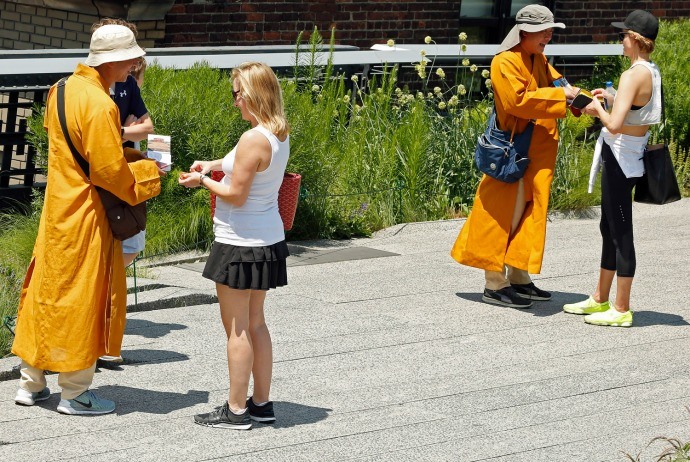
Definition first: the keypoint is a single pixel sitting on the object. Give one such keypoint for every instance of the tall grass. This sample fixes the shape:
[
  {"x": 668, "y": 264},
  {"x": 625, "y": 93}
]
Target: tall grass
[{"x": 17, "y": 237}]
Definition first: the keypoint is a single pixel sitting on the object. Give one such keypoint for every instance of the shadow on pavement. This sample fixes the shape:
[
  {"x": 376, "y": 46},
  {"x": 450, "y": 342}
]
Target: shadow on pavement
[
  {"x": 539, "y": 309},
  {"x": 133, "y": 358},
  {"x": 294, "y": 414},
  {"x": 150, "y": 329},
  {"x": 128, "y": 399},
  {"x": 656, "y": 318}
]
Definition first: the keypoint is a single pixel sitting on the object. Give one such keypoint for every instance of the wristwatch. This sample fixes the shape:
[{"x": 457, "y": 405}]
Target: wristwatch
[{"x": 202, "y": 176}]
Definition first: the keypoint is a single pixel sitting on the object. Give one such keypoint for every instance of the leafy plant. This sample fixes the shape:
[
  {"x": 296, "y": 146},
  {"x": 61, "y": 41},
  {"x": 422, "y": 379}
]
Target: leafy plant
[
  {"x": 17, "y": 236},
  {"x": 674, "y": 451}
]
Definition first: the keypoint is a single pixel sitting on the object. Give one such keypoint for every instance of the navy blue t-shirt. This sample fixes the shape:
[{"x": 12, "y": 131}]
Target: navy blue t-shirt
[{"x": 128, "y": 99}]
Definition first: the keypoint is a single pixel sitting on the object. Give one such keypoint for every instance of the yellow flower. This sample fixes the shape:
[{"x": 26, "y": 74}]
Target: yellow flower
[
  {"x": 437, "y": 90},
  {"x": 391, "y": 43},
  {"x": 462, "y": 36},
  {"x": 346, "y": 99},
  {"x": 315, "y": 88},
  {"x": 440, "y": 73},
  {"x": 488, "y": 83},
  {"x": 465, "y": 62},
  {"x": 461, "y": 90},
  {"x": 427, "y": 39},
  {"x": 420, "y": 67},
  {"x": 485, "y": 73},
  {"x": 354, "y": 78},
  {"x": 422, "y": 52},
  {"x": 441, "y": 105},
  {"x": 473, "y": 68},
  {"x": 453, "y": 101}
]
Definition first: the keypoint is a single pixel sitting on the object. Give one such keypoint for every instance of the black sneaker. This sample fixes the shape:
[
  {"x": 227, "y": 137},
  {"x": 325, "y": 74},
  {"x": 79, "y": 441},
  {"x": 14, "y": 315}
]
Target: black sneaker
[
  {"x": 506, "y": 297},
  {"x": 263, "y": 414},
  {"x": 531, "y": 292},
  {"x": 222, "y": 417}
]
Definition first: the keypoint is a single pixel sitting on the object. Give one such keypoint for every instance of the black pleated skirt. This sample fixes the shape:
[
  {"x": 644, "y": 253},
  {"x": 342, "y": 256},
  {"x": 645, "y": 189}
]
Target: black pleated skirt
[{"x": 256, "y": 268}]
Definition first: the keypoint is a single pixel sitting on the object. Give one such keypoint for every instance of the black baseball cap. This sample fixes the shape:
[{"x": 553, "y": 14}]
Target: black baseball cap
[{"x": 640, "y": 21}]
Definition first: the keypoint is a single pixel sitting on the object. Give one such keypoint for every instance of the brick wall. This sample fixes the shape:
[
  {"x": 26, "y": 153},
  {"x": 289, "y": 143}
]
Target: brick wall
[
  {"x": 363, "y": 23},
  {"x": 359, "y": 23},
  {"x": 590, "y": 21},
  {"x": 25, "y": 27}
]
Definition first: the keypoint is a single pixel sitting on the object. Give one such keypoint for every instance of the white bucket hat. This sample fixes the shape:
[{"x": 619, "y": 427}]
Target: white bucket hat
[
  {"x": 111, "y": 43},
  {"x": 532, "y": 18}
]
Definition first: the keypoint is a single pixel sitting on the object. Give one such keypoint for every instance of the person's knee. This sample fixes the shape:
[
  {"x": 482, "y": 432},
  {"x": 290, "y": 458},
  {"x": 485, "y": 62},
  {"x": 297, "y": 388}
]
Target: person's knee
[{"x": 257, "y": 327}]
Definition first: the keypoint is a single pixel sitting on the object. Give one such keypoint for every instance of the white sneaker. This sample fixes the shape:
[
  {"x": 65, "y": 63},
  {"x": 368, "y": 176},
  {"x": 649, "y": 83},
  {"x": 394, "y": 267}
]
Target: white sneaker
[
  {"x": 111, "y": 359},
  {"x": 27, "y": 398}
]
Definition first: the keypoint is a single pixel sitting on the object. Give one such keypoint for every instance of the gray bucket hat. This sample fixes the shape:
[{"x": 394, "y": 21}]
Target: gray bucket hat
[{"x": 532, "y": 18}]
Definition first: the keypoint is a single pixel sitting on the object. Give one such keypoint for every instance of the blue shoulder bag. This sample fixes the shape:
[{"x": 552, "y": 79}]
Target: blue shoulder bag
[{"x": 501, "y": 154}]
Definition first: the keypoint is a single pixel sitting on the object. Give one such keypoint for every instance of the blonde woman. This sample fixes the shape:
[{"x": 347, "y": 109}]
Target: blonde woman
[
  {"x": 249, "y": 252},
  {"x": 636, "y": 106}
]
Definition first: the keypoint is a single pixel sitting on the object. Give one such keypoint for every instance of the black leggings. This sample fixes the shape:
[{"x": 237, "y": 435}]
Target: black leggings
[{"x": 616, "y": 225}]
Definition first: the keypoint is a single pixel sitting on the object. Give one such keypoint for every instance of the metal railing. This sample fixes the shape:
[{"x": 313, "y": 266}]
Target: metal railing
[{"x": 18, "y": 171}]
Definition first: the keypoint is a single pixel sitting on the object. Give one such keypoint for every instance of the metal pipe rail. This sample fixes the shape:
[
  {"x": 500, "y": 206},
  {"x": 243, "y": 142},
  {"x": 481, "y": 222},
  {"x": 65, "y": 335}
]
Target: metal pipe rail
[
  {"x": 26, "y": 75},
  {"x": 44, "y": 67}
]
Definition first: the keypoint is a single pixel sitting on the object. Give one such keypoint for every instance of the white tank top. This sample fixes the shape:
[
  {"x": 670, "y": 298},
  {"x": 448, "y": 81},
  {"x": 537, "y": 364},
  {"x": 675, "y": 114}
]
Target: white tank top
[
  {"x": 650, "y": 113},
  {"x": 257, "y": 222}
]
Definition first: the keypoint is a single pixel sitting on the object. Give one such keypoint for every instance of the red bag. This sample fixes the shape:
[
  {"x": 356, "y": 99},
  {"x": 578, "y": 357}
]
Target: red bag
[{"x": 288, "y": 197}]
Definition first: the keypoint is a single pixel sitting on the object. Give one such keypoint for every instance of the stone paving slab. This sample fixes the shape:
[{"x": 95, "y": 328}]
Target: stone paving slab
[{"x": 396, "y": 358}]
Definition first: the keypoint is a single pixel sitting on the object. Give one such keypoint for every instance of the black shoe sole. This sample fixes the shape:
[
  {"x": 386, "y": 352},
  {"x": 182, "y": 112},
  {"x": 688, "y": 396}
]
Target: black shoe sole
[{"x": 493, "y": 301}]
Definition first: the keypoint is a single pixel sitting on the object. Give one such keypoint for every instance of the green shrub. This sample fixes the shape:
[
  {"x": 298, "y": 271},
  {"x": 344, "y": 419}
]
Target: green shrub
[{"x": 17, "y": 236}]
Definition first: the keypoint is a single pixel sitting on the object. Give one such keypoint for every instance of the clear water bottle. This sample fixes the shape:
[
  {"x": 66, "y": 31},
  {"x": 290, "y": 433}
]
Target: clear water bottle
[{"x": 611, "y": 91}]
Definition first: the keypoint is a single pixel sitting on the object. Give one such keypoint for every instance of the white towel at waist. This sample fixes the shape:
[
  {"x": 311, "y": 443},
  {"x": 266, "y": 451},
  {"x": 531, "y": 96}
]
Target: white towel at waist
[{"x": 627, "y": 149}]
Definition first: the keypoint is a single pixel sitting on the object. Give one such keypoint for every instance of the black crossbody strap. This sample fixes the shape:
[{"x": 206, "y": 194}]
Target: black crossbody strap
[
  {"x": 663, "y": 115},
  {"x": 63, "y": 123}
]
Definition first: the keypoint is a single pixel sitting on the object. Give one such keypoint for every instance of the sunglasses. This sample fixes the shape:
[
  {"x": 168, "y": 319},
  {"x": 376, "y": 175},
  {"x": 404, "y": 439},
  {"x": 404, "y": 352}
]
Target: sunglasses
[
  {"x": 235, "y": 94},
  {"x": 622, "y": 35}
]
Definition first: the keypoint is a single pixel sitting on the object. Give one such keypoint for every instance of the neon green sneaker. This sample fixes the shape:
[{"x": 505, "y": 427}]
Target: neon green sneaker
[
  {"x": 611, "y": 317},
  {"x": 588, "y": 306}
]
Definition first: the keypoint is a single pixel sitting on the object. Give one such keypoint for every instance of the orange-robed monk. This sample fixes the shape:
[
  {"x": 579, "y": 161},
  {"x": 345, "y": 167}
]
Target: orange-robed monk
[
  {"x": 506, "y": 230},
  {"x": 72, "y": 307}
]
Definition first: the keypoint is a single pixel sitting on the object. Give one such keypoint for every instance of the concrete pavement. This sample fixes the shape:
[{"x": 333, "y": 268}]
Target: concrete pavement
[{"x": 383, "y": 350}]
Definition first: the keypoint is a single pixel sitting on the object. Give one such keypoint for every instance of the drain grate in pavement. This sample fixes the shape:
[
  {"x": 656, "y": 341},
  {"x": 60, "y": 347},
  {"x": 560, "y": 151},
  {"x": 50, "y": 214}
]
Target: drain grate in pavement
[
  {"x": 318, "y": 257},
  {"x": 302, "y": 256},
  {"x": 173, "y": 302}
]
